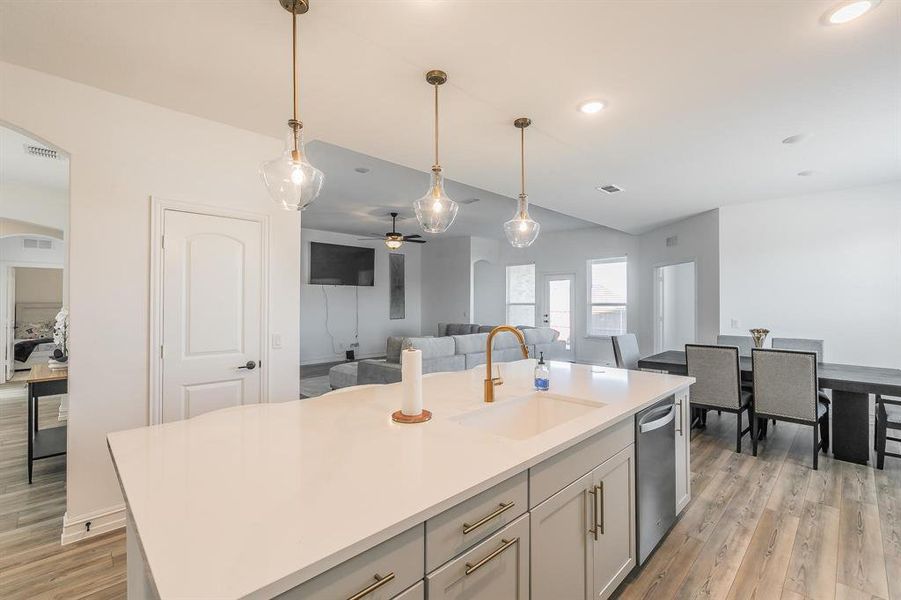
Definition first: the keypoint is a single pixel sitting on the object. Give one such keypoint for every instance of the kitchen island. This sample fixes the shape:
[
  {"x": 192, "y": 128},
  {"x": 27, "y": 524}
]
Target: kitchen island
[{"x": 328, "y": 498}]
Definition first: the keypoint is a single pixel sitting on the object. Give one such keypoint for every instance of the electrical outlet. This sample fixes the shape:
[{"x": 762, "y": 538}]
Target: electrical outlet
[{"x": 735, "y": 324}]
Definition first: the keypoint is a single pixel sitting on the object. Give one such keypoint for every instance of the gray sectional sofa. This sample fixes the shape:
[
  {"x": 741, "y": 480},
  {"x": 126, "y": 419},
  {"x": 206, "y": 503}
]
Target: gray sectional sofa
[{"x": 449, "y": 352}]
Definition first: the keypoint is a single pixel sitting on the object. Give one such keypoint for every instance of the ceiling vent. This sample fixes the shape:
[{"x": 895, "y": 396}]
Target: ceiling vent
[
  {"x": 609, "y": 189},
  {"x": 672, "y": 240},
  {"x": 37, "y": 244},
  {"x": 41, "y": 152},
  {"x": 470, "y": 201}
]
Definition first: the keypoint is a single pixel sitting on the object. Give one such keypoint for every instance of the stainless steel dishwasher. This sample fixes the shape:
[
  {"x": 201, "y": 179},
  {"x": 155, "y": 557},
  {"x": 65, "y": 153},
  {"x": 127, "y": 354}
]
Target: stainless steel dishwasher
[{"x": 655, "y": 474}]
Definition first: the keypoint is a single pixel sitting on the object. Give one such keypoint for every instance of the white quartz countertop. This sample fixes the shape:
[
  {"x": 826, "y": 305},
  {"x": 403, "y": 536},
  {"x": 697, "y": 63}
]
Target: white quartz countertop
[{"x": 251, "y": 501}]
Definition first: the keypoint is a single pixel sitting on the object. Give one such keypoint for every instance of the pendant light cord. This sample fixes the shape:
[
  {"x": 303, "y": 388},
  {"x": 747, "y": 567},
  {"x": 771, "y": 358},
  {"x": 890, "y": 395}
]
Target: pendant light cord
[
  {"x": 522, "y": 160},
  {"x": 437, "y": 164},
  {"x": 295, "y": 107}
]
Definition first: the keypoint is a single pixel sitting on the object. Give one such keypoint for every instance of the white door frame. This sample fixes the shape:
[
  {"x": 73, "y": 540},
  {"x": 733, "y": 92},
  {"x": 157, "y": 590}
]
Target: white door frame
[
  {"x": 158, "y": 208},
  {"x": 657, "y": 339},
  {"x": 544, "y": 303}
]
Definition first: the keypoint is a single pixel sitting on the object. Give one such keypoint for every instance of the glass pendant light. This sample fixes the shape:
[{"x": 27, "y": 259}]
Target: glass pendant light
[
  {"x": 291, "y": 180},
  {"x": 436, "y": 211},
  {"x": 522, "y": 229}
]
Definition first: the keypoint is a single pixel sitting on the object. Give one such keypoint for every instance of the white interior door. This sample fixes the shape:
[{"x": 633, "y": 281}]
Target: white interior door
[
  {"x": 211, "y": 313},
  {"x": 558, "y": 307},
  {"x": 674, "y": 306}
]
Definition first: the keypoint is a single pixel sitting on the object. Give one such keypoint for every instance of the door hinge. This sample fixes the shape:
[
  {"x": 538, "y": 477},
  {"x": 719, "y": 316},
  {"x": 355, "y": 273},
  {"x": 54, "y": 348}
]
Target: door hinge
[
  {"x": 161, "y": 350},
  {"x": 163, "y": 242}
]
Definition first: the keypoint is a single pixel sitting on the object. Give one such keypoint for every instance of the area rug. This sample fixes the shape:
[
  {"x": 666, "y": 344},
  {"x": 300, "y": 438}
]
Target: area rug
[{"x": 310, "y": 387}]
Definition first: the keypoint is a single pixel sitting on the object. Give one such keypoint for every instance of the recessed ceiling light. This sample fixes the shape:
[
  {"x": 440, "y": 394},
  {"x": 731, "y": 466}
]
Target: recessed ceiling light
[
  {"x": 848, "y": 11},
  {"x": 795, "y": 139},
  {"x": 592, "y": 106},
  {"x": 609, "y": 188},
  {"x": 805, "y": 173}
]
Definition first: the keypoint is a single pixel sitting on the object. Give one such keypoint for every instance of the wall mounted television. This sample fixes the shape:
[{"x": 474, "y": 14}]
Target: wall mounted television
[{"x": 333, "y": 264}]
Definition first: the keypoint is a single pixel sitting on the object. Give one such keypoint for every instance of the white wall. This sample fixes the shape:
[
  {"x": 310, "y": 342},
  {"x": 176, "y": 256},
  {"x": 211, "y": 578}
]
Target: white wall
[
  {"x": 820, "y": 266},
  {"x": 316, "y": 345},
  {"x": 488, "y": 291},
  {"x": 446, "y": 282},
  {"x": 39, "y": 285},
  {"x": 698, "y": 241},
  {"x": 122, "y": 152}
]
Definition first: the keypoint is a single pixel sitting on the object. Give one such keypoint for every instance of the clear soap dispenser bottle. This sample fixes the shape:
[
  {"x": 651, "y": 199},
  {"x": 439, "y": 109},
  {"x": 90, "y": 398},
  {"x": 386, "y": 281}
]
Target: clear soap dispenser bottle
[{"x": 542, "y": 375}]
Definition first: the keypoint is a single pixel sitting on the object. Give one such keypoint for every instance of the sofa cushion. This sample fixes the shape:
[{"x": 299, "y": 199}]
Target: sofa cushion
[
  {"x": 499, "y": 355},
  {"x": 377, "y": 371},
  {"x": 485, "y": 328},
  {"x": 467, "y": 344},
  {"x": 460, "y": 328},
  {"x": 432, "y": 347},
  {"x": 392, "y": 352},
  {"x": 540, "y": 335},
  {"x": 505, "y": 339}
]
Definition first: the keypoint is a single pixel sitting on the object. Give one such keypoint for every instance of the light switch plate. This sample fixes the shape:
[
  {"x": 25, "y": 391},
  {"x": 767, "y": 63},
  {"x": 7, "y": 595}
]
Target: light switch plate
[
  {"x": 276, "y": 340},
  {"x": 735, "y": 324}
]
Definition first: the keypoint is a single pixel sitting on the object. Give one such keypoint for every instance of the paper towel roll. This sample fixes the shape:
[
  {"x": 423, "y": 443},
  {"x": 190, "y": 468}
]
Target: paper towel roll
[{"x": 411, "y": 381}]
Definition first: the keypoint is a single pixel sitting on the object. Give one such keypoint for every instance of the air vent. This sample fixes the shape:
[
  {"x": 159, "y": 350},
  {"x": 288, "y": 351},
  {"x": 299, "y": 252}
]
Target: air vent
[
  {"x": 37, "y": 244},
  {"x": 470, "y": 200},
  {"x": 41, "y": 152},
  {"x": 610, "y": 189},
  {"x": 672, "y": 240}
]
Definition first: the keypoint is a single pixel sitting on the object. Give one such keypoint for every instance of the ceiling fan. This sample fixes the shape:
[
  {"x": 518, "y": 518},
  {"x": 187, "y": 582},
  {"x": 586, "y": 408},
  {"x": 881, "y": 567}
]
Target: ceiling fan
[{"x": 393, "y": 239}]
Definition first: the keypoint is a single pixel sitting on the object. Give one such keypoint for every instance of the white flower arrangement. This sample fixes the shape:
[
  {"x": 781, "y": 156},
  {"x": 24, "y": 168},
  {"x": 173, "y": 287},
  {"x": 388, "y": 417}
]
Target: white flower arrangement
[{"x": 61, "y": 331}]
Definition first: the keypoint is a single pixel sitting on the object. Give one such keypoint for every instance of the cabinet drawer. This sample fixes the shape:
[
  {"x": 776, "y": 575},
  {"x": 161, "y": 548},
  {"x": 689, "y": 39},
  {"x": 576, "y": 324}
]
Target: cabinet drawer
[
  {"x": 470, "y": 522},
  {"x": 399, "y": 560},
  {"x": 554, "y": 474},
  {"x": 496, "y": 568},
  {"x": 417, "y": 592}
]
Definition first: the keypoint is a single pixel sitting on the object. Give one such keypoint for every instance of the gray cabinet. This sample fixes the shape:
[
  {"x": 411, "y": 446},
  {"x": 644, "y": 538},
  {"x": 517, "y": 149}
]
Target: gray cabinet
[
  {"x": 495, "y": 569},
  {"x": 583, "y": 537}
]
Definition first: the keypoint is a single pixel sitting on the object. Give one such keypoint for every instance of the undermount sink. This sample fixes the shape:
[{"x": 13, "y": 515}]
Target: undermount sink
[{"x": 526, "y": 416}]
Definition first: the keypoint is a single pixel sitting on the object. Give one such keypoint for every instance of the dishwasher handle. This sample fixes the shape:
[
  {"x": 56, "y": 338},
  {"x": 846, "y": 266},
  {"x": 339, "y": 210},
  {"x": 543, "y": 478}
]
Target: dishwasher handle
[{"x": 653, "y": 420}]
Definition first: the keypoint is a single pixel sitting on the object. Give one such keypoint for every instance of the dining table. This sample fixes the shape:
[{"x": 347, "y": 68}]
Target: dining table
[{"x": 851, "y": 386}]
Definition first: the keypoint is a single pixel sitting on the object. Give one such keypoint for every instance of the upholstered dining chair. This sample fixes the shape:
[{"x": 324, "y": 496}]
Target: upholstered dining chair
[
  {"x": 625, "y": 351},
  {"x": 744, "y": 343},
  {"x": 805, "y": 345},
  {"x": 888, "y": 416},
  {"x": 785, "y": 389},
  {"x": 717, "y": 383}
]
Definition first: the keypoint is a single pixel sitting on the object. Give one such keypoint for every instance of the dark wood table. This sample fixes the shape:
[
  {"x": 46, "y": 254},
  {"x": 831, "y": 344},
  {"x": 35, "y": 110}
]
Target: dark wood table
[
  {"x": 851, "y": 387},
  {"x": 44, "y": 443}
]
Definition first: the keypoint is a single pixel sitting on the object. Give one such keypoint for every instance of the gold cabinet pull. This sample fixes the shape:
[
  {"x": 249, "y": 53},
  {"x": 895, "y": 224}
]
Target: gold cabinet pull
[
  {"x": 472, "y": 568},
  {"x": 502, "y": 508},
  {"x": 597, "y": 510},
  {"x": 379, "y": 582}
]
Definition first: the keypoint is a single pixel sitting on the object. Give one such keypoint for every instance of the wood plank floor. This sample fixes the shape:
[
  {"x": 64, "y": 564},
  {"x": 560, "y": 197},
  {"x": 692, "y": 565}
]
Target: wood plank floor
[
  {"x": 766, "y": 527},
  {"x": 33, "y": 564},
  {"x": 771, "y": 527}
]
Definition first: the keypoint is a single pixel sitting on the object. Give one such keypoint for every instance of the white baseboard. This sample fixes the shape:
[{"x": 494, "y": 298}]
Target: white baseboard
[{"x": 75, "y": 529}]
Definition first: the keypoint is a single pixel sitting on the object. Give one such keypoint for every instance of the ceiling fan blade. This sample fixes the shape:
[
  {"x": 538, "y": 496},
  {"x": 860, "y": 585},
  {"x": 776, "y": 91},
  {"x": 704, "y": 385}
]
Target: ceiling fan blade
[
  {"x": 415, "y": 235},
  {"x": 365, "y": 239},
  {"x": 417, "y": 241}
]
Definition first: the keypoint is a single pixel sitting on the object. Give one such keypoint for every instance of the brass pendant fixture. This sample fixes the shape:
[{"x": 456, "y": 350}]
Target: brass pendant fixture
[
  {"x": 436, "y": 211},
  {"x": 290, "y": 179},
  {"x": 522, "y": 229}
]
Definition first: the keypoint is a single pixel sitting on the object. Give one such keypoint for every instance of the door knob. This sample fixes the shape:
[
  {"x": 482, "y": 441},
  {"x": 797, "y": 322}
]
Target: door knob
[{"x": 250, "y": 366}]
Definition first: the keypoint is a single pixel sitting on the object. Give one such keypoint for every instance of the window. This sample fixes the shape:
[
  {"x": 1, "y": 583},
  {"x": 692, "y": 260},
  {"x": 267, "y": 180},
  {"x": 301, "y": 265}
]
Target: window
[
  {"x": 606, "y": 297},
  {"x": 521, "y": 295}
]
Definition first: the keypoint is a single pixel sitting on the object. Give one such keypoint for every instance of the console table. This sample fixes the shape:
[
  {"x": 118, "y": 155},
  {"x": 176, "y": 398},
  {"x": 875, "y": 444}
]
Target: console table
[{"x": 44, "y": 443}]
